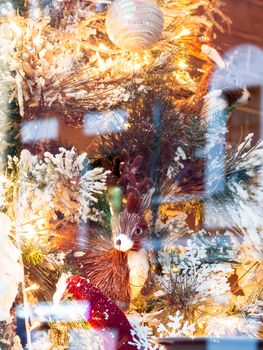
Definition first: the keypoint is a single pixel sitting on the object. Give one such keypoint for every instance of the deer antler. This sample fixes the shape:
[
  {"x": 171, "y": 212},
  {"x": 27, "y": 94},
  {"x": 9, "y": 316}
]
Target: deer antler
[{"x": 133, "y": 184}]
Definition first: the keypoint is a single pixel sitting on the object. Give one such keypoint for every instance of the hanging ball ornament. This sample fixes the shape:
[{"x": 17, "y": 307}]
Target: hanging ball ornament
[{"x": 134, "y": 25}]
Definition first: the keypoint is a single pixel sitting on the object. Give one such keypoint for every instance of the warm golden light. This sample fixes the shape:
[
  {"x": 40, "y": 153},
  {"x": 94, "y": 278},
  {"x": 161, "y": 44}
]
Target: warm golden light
[
  {"x": 38, "y": 40},
  {"x": 184, "y": 32},
  {"x": 52, "y": 53},
  {"x": 182, "y": 64},
  {"x": 32, "y": 287},
  {"x": 15, "y": 27},
  {"x": 103, "y": 47}
]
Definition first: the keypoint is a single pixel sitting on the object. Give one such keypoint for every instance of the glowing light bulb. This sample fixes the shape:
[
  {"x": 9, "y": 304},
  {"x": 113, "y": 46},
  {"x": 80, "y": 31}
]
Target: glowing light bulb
[
  {"x": 175, "y": 269},
  {"x": 37, "y": 40},
  {"x": 102, "y": 65},
  {"x": 137, "y": 66},
  {"x": 182, "y": 64},
  {"x": 32, "y": 287},
  {"x": 15, "y": 28},
  {"x": 103, "y": 47},
  {"x": 185, "y": 32}
]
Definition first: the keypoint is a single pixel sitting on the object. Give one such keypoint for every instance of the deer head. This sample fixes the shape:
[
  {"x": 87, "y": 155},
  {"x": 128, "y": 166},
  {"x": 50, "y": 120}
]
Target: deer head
[{"x": 129, "y": 226}]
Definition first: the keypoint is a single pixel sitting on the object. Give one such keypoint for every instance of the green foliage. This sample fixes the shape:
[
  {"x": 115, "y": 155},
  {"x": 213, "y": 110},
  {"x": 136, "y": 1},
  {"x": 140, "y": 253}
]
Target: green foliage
[
  {"x": 13, "y": 133},
  {"x": 195, "y": 132},
  {"x": 104, "y": 208}
]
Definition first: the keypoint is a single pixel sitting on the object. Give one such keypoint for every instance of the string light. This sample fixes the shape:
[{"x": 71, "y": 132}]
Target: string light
[
  {"x": 32, "y": 288},
  {"x": 106, "y": 62},
  {"x": 184, "y": 32},
  {"x": 182, "y": 64}
]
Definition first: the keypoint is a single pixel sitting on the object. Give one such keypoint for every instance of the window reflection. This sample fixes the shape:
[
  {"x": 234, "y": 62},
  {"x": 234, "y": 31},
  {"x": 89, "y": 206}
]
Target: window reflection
[
  {"x": 39, "y": 130},
  {"x": 96, "y": 123}
]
